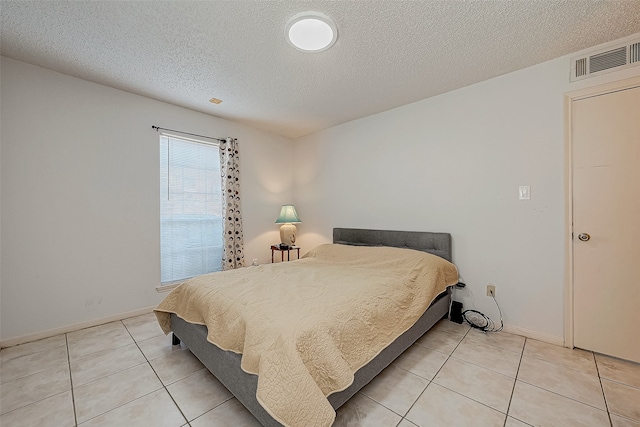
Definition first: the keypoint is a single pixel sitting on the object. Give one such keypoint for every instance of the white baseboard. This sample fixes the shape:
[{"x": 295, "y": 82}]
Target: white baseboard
[
  {"x": 551, "y": 339},
  {"x": 70, "y": 328}
]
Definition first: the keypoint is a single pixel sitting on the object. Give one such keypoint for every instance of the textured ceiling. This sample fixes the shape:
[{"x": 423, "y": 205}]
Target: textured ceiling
[{"x": 388, "y": 52}]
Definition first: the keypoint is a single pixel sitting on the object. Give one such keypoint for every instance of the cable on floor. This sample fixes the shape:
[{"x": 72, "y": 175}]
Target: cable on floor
[{"x": 481, "y": 321}]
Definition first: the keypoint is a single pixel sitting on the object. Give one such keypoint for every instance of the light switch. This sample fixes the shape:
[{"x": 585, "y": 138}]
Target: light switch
[{"x": 524, "y": 192}]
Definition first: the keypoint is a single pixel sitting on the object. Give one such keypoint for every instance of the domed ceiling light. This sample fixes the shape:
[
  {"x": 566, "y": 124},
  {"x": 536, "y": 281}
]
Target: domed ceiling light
[{"x": 311, "y": 32}]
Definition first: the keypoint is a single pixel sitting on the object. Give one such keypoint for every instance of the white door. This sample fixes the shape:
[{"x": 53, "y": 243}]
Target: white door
[{"x": 606, "y": 223}]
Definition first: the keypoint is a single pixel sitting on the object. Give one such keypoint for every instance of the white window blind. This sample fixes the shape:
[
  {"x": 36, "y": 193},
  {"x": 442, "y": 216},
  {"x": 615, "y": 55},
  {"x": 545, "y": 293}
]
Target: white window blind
[{"x": 190, "y": 209}]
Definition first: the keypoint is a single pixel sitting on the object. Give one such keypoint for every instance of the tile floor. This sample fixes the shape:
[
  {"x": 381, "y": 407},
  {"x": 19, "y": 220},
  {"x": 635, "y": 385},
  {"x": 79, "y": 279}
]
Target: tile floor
[{"x": 127, "y": 373}]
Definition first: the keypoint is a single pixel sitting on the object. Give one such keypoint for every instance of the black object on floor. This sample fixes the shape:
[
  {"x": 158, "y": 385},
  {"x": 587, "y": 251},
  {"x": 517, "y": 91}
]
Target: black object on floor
[
  {"x": 456, "y": 311},
  {"x": 175, "y": 340}
]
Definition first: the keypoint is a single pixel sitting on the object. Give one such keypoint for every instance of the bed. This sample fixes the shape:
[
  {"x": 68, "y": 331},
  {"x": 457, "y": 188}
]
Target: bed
[{"x": 227, "y": 365}]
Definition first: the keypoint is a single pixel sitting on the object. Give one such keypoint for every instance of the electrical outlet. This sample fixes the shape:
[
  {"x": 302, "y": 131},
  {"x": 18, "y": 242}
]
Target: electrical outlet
[{"x": 491, "y": 291}]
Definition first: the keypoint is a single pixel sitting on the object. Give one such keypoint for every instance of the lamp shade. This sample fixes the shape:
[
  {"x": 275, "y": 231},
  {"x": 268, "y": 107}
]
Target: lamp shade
[{"x": 288, "y": 214}]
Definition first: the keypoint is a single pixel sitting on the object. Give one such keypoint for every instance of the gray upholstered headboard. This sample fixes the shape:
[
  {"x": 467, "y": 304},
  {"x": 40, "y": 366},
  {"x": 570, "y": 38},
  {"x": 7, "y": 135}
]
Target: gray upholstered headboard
[{"x": 434, "y": 243}]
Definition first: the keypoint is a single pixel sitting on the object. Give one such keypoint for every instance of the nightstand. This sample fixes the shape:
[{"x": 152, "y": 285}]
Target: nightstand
[{"x": 282, "y": 251}]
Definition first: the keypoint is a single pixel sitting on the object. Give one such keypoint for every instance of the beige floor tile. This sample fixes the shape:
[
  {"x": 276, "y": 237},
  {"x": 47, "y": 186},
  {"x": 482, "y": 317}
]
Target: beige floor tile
[
  {"x": 622, "y": 399},
  {"x": 421, "y": 361},
  {"x": 54, "y": 411},
  {"x": 580, "y": 360},
  {"x": 570, "y": 383},
  {"x": 46, "y": 344},
  {"x": 114, "y": 385},
  {"x": 439, "y": 340},
  {"x": 159, "y": 346},
  {"x": 450, "y": 327},
  {"x": 176, "y": 366},
  {"x": 438, "y": 406},
  {"x": 618, "y": 370},
  {"x": 143, "y": 331},
  {"x": 140, "y": 320},
  {"x": 488, "y": 356},
  {"x": 512, "y": 422},
  {"x": 107, "y": 337},
  {"x": 155, "y": 409},
  {"x": 105, "y": 363},
  {"x": 395, "y": 389},
  {"x": 406, "y": 423},
  {"x": 618, "y": 421},
  {"x": 27, "y": 390},
  {"x": 105, "y": 394},
  {"x": 94, "y": 331},
  {"x": 230, "y": 413},
  {"x": 362, "y": 411},
  {"x": 540, "y": 407},
  {"x": 32, "y": 363},
  {"x": 198, "y": 393},
  {"x": 501, "y": 340},
  {"x": 480, "y": 384}
]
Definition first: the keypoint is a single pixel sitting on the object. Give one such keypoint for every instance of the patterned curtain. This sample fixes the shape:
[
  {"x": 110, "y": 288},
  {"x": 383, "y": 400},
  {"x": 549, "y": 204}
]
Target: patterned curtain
[{"x": 233, "y": 247}]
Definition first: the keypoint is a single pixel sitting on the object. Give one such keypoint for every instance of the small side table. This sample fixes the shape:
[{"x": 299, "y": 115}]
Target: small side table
[{"x": 282, "y": 251}]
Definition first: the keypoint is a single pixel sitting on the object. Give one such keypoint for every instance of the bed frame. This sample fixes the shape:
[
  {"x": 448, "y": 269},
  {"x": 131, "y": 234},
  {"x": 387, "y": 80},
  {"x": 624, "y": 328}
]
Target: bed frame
[{"x": 225, "y": 365}]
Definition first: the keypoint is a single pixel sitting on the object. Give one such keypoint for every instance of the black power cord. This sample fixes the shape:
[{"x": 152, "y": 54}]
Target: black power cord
[{"x": 482, "y": 321}]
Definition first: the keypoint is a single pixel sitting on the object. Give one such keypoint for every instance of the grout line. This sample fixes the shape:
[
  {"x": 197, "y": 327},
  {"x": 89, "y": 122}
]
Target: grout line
[
  {"x": 217, "y": 406},
  {"x": 147, "y": 361},
  {"x": 158, "y": 376},
  {"x": 495, "y": 347},
  {"x": 92, "y": 337},
  {"x": 554, "y": 362},
  {"x": 556, "y": 393},
  {"x": 139, "y": 397},
  {"x": 568, "y": 397},
  {"x": 438, "y": 371},
  {"x": 94, "y": 354},
  {"x": 451, "y": 356},
  {"x": 402, "y": 417},
  {"x": 73, "y": 398},
  {"x": 120, "y": 406},
  {"x": 429, "y": 382},
  {"x": 515, "y": 381},
  {"x": 604, "y": 396},
  {"x": 20, "y": 408},
  {"x": 506, "y": 414},
  {"x": 484, "y": 367},
  {"x": 30, "y": 374}
]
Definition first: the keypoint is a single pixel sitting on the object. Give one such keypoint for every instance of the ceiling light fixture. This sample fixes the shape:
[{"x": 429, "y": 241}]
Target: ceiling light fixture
[
  {"x": 311, "y": 32},
  {"x": 215, "y": 101}
]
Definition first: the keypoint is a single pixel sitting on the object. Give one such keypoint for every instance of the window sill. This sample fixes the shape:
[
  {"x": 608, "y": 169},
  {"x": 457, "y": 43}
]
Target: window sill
[{"x": 168, "y": 287}]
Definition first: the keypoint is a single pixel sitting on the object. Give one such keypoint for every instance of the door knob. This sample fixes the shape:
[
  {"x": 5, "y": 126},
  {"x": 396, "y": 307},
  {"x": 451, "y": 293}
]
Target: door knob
[{"x": 583, "y": 237}]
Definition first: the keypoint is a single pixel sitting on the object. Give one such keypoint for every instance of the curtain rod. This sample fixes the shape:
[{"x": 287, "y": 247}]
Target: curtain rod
[{"x": 187, "y": 133}]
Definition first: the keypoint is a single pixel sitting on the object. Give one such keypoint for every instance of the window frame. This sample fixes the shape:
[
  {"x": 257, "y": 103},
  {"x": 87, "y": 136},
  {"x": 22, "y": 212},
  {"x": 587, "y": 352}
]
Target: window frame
[{"x": 168, "y": 285}]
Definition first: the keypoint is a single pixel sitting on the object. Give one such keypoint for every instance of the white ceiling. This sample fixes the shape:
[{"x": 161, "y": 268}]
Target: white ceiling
[{"x": 388, "y": 53}]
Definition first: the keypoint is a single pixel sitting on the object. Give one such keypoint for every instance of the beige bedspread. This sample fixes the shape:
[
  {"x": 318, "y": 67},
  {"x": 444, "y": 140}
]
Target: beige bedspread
[{"x": 305, "y": 327}]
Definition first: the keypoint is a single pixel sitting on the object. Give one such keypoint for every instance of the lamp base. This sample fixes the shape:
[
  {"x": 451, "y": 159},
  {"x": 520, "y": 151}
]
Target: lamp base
[{"x": 288, "y": 234}]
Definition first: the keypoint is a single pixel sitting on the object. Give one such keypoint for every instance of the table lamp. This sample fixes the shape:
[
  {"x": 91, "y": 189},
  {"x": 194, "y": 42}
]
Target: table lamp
[{"x": 287, "y": 217}]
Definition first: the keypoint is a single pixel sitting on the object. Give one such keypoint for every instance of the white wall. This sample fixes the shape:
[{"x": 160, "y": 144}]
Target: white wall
[
  {"x": 80, "y": 196},
  {"x": 454, "y": 163}
]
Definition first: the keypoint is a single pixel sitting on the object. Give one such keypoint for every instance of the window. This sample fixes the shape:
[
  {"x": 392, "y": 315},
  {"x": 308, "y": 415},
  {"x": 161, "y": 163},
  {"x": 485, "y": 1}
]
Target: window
[{"x": 190, "y": 209}]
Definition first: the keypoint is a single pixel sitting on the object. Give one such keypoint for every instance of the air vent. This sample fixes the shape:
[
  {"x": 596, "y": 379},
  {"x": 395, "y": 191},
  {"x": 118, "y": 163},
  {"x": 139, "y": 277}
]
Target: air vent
[
  {"x": 634, "y": 53},
  {"x": 611, "y": 59},
  {"x": 581, "y": 67}
]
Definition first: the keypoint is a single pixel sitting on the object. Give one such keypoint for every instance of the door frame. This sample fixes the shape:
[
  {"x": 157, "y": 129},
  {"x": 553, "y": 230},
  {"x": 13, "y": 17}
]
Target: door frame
[{"x": 569, "y": 97}]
